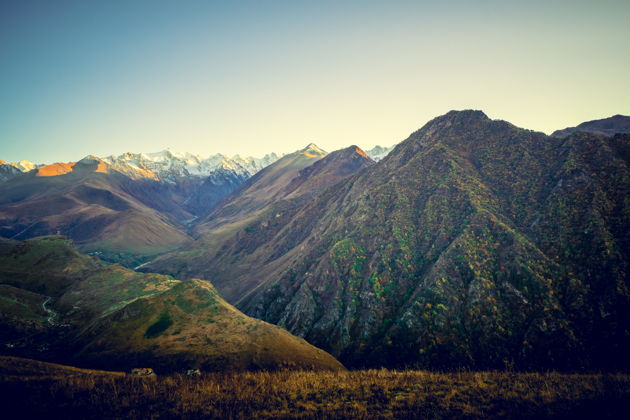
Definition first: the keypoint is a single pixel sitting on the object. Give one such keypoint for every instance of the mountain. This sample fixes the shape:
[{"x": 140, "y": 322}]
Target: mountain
[
  {"x": 473, "y": 243},
  {"x": 98, "y": 207},
  {"x": 201, "y": 182},
  {"x": 198, "y": 183},
  {"x": 124, "y": 208},
  {"x": 224, "y": 251},
  {"x": 10, "y": 170},
  {"x": 190, "y": 326},
  {"x": 170, "y": 166},
  {"x": 265, "y": 188},
  {"x": 607, "y": 127},
  {"x": 59, "y": 304},
  {"x": 378, "y": 152}
]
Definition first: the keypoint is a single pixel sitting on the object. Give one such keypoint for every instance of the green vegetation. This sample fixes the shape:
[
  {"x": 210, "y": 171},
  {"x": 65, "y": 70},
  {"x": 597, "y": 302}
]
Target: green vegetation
[{"x": 107, "y": 316}]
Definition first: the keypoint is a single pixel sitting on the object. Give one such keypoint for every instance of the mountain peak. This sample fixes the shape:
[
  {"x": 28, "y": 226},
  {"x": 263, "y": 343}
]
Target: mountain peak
[
  {"x": 312, "y": 150},
  {"x": 89, "y": 160},
  {"x": 466, "y": 114},
  {"x": 378, "y": 152},
  {"x": 455, "y": 119},
  {"x": 354, "y": 149}
]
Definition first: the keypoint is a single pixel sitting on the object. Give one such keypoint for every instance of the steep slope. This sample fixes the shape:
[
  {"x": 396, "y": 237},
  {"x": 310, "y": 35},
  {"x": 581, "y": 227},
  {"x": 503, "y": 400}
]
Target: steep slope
[
  {"x": 196, "y": 183},
  {"x": 65, "y": 306},
  {"x": 8, "y": 171},
  {"x": 225, "y": 252},
  {"x": 94, "y": 205},
  {"x": 261, "y": 190},
  {"x": 606, "y": 126},
  {"x": 473, "y": 242},
  {"x": 213, "y": 189}
]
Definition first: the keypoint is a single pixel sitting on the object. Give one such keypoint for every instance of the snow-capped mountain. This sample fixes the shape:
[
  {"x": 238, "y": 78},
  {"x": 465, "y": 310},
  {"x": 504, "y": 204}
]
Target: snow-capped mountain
[
  {"x": 170, "y": 166},
  {"x": 379, "y": 152},
  {"x": 200, "y": 182},
  {"x": 25, "y": 165},
  {"x": 10, "y": 170}
]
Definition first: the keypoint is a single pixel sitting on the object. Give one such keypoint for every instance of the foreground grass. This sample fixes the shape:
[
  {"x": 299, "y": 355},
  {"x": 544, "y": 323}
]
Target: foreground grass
[{"x": 299, "y": 394}]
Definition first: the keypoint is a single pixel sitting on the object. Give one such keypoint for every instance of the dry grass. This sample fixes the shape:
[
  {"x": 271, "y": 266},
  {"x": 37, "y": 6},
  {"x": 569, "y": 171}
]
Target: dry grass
[{"x": 301, "y": 394}]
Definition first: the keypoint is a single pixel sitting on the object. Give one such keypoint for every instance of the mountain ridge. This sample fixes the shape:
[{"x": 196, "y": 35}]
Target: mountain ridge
[{"x": 606, "y": 126}]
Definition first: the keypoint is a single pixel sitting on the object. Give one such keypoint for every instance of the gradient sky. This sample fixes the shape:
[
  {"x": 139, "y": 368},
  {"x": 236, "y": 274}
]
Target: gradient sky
[{"x": 251, "y": 77}]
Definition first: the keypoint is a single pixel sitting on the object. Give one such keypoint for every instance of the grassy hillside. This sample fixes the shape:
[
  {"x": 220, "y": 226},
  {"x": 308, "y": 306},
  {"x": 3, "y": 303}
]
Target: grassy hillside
[
  {"x": 62, "y": 392},
  {"x": 59, "y": 304},
  {"x": 17, "y": 368},
  {"x": 191, "y": 326}
]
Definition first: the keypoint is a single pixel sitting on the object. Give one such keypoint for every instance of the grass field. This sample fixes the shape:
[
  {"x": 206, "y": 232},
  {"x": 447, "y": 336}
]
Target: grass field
[{"x": 48, "y": 391}]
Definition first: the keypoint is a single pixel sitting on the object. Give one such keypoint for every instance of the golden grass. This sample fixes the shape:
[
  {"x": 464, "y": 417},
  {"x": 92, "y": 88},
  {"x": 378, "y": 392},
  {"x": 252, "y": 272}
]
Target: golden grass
[{"x": 301, "y": 394}]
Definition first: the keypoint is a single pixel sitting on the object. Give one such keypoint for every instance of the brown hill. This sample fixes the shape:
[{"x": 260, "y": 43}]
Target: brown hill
[{"x": 100, "y": 209}]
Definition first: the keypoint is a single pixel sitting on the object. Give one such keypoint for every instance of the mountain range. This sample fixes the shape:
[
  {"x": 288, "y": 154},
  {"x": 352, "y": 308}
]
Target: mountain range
[{"x": 473, "y": 243}]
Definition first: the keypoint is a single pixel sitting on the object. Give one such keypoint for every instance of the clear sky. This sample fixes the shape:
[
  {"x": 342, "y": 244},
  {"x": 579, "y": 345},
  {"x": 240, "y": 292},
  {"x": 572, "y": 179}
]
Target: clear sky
[{"x": 251, "y": 77}]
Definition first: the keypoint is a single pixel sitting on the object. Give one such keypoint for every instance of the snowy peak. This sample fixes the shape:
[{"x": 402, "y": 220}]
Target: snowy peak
[
  {"x": 379, "y": 152},
  {"x": 22, "y": 166},
  {"x": 312, "y": 150},
  {"x": 90, "y": 160},
  {"x": 169, "y": 166},
  {"x": 8, "y": 171}
]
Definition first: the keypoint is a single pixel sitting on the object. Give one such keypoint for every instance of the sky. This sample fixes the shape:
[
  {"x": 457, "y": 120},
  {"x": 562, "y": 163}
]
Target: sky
[{"x": 253, "y": 77}]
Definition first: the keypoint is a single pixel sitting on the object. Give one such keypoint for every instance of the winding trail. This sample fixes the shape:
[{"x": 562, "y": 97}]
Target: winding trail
[{"x": 52, "y": 314}]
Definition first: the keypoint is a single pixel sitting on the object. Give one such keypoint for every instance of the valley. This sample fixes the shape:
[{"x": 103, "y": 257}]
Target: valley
[
  {"x": 314, "y": 209},
  {"x": 472, "y": 247}
]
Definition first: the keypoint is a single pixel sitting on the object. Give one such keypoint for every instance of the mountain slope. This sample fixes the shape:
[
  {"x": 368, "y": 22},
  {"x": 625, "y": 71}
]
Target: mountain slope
[
  {"x": 231, "y": 234},
  {"x": 8, "y": 171},
  {"x": 261, "y": 190},
  {"x": 197, "y": 183},
  {"x": 473, "y": 242},
  {"x": 65, "y": 306},
  {"x": 606, "y": 126},
  {"x": 93, "y": 204},
  {"x": 190, "y": 326}
]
